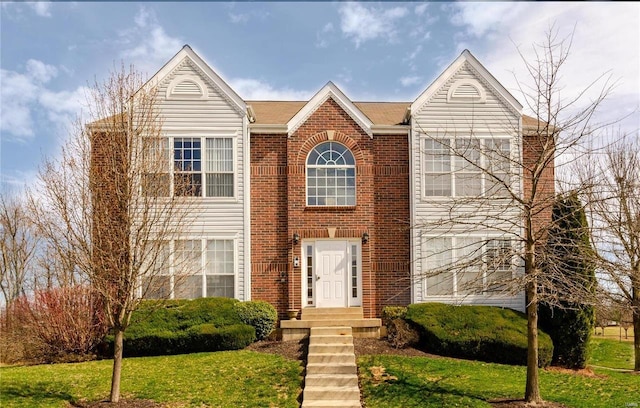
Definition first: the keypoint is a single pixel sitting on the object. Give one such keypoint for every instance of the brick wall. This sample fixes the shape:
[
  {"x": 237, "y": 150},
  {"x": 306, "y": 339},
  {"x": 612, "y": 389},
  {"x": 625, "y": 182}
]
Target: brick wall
[{"x": 279, "y": 210}]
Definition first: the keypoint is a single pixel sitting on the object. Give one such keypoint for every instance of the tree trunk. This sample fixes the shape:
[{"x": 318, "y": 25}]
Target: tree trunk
[
  {"x": 532, "y": 391},
  {"x": 117, "y": 365},
  {"x": 636, "y": 339}
]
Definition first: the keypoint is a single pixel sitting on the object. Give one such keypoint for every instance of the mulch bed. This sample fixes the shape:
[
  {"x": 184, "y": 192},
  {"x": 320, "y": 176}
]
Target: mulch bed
[
  {"x": 521, "y": 404},
  {"x": 123, "y": 403}
]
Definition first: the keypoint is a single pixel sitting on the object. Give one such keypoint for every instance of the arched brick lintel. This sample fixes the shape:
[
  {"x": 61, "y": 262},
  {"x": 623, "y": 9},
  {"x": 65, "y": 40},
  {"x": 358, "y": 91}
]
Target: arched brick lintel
[{"x": 323, "y": 136}]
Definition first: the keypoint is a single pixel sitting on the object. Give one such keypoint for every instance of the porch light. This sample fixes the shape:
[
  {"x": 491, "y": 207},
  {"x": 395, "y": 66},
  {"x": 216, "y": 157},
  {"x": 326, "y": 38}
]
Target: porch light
[
  {"x": 365, "y": 237},
  {"x": 296, "y": 238}
]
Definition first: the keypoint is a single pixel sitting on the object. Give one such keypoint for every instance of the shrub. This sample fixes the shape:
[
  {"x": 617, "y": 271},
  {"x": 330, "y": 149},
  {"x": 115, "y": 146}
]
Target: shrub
[
  {"x": 400, "y": 334},
  {"x": 393, "y": 312},
  {"x": 259, "y": 314},
  {"x": 481, "y": 333},
  {"x": 569, "y": 248},
  {"x": 59, "y": 324},
  {"x": 201, "y": 338},
  {"x": 185, "y": 326}
]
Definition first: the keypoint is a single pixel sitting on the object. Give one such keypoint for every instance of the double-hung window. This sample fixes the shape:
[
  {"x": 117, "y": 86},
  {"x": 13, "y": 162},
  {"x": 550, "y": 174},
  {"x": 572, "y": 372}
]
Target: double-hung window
[
  {"x": 214, "y": 168},
  {"x": 462, "y": 266},
  {"x": 466, "y": 167},
  {"x": 155, "y": 160},
  {"x": 192, "y": 268}
]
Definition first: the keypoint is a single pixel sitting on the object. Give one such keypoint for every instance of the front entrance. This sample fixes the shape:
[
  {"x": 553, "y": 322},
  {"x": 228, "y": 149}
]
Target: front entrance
[{"x": 332, "y": 273}]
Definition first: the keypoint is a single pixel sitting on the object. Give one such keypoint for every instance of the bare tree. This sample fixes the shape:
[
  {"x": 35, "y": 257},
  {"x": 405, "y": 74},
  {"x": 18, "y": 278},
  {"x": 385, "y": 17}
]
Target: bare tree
[
  {"x": 111, "y": 196},
  {"x": 613, "y": 199},
  {"x": 507, "y": 189},
  {"x": 18, "y": 243}
]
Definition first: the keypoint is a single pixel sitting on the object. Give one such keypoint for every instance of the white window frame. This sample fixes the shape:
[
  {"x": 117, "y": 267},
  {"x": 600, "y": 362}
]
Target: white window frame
[
  {"x": 172, "y": 272},
  {"x": 485, "y": 239},
  {"x": 307, "y": 166},
  {"x": 203, "y": 165},
  {"x": 455, "y": 159}
]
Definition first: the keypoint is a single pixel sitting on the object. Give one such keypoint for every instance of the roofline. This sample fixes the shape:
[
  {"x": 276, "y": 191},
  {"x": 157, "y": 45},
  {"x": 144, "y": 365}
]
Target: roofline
[
  {"x": 465, "y": 56},
  {"x": 187, "y": 51},
  {"x": 330, "y": 90}
]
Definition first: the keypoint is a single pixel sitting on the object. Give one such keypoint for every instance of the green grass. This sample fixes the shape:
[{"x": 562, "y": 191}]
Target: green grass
[
  {"x": 443, "y": 382},
  {"x": 611, "y": 353},
  {"x": 223, "y": 379}
]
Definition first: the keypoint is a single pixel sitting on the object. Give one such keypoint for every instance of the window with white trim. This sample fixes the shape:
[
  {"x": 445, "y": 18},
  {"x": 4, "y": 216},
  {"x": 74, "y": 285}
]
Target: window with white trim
[
  {"x": 499, "y": 261},
  {"x": 220, "y": 268},
  {"x": 466, "y": 167},
  {"x": 461, "y": 266},
  {"x": 192, "y": 269},
  {"x": 331, "y": 176},
  {"x": 217, "y": 171},
  {"x": 155, "y": 166},
  {"x": 156, "y": 274}
]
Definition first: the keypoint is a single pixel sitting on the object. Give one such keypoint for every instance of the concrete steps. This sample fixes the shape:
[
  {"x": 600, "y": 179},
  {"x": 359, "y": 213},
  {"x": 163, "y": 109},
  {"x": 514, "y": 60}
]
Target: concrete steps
[
  {"x": 331, "y": 377},
  {"x": 330, "y": 317}
]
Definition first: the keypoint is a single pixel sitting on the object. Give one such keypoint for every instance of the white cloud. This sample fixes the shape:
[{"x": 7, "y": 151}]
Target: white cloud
[
  {"x": 40, "y": 71},
  {"x": 146, "y": 44},
  {"x": 410, "y": 80},
  {"x": 363, "y": 24},
  {"x": 249, "y": 88},
  {"x": 420, "y": 9},
  {"x": 41, "y": 8},
  {"x": 322, "y": 36},
  {"x": 237, "y": 18},
  {"x": 23, "y": 95},
  {"x": 606, "y": 39}
]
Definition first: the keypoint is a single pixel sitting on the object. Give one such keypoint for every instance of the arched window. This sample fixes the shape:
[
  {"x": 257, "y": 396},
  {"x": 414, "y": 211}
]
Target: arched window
[{"x": 331, "y": 176}]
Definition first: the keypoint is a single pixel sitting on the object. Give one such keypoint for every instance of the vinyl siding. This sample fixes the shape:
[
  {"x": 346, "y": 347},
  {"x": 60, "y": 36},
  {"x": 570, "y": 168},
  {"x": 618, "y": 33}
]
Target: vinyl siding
[
  {"x": 443, "y": 118},
  {"x": 187, "y": 114}
]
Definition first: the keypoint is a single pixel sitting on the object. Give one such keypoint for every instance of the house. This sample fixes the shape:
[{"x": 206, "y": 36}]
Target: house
[{"x": 319, "y": 204}]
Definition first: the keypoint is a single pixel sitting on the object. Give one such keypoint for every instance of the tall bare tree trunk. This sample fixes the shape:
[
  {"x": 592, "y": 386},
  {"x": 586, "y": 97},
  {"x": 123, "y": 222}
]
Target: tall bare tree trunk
[
  {"x": 532, "y": 391},
  {"x": 117, "y": 365},
  {"x": 636, "y": 335}
]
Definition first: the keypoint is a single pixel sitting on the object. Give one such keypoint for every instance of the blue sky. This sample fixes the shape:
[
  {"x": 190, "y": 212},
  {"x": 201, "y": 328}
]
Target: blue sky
[{"x": 287, "y": 51}]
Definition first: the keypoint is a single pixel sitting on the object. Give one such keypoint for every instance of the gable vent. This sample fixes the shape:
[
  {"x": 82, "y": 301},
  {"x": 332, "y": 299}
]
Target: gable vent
[
  {"x": 187, "y": 88},
  {"x": 190, "y": 88},
  {"x": 466, "y": 90}
]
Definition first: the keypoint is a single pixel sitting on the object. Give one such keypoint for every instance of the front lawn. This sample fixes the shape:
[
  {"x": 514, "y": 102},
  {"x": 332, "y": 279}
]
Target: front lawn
[
  {"x": 222, "y": 379},
  {"x": 443, "y": 382},
  {"x": 611, "y": 353}
]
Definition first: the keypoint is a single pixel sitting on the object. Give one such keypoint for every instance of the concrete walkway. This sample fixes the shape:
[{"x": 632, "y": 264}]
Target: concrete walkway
[{"x": 332, "y": 376}]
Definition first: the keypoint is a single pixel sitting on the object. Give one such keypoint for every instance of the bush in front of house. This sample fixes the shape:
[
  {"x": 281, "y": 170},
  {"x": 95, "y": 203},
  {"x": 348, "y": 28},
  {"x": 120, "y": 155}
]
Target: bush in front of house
[
  {"x": 483, "y": 333},
  {"x": 185, "y": 326},
  {"x": 400, "y": 333},
  {"x": 259, "y": 314}
]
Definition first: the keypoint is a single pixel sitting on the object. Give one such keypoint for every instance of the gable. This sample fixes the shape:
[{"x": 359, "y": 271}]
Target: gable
[
  {"x": 329, "y": 91},
  {"x": 190, "y": 77},
  {"x": 466, "y": 81}
]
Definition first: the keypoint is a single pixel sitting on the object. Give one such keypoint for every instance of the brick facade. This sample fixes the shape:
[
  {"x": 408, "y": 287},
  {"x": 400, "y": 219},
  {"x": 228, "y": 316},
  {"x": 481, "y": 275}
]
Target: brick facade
[{"x": 278, "y": 210}]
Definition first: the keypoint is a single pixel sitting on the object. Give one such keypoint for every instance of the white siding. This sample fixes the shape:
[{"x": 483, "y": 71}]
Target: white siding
[
  {"x": 457, "y": 117},
  {"x": 189, "y": 113}
]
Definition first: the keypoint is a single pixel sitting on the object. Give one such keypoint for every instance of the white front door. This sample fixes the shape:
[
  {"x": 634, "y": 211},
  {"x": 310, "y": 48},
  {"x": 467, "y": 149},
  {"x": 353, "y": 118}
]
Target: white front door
[{"x": 331, "y": 270}]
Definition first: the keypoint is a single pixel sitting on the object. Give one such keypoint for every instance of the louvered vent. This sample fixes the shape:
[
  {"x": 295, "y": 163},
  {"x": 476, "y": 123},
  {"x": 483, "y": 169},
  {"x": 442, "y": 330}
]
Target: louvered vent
[
  {"x": 466, "y": 90},
  {"x": 187, "y": 88}
]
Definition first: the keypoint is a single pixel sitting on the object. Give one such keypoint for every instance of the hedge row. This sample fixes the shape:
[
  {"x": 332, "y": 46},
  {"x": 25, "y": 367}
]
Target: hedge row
[
  {"x": 205, "y": 337},
  {"x": 481, "y": 333},
  {"x": 189, "y": 326}
]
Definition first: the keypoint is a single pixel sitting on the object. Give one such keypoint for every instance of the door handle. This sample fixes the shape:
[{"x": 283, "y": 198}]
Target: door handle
[{"x": 317, "y": 277}]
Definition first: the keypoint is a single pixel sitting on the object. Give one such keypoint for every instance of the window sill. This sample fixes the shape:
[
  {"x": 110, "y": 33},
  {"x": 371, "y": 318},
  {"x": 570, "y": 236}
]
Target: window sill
[{"x": 325, "y": 208}]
